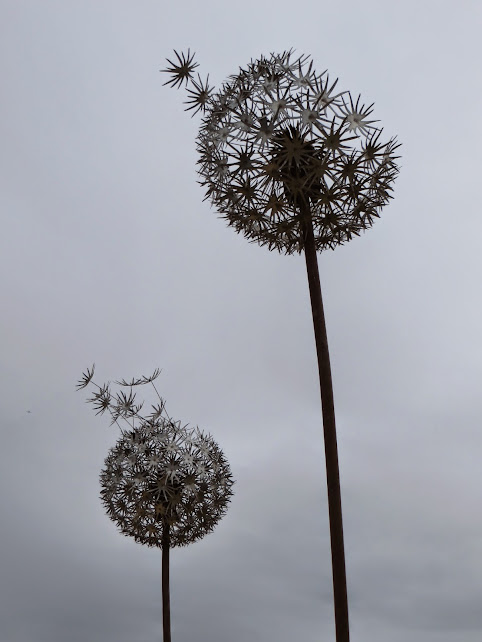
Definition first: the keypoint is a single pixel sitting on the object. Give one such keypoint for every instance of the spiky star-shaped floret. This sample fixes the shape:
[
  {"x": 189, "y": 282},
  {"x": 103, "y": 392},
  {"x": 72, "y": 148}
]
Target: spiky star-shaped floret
[
  {"x": 199, "y": 96},
  {"x": 140, "y": 380},
  {"x": 182, "y": 70},
  {"x": 374, "y": 150},
  {"x": 356, "y": 115},
  {"x": 101, "y": 399},
  {"x": 86, "y": 378}
]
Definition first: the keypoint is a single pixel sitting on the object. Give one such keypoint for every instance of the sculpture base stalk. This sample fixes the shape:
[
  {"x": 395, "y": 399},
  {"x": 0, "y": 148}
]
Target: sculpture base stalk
[
  {"x": 329, "y": 430},
  {"x": 166, "y": 606}
]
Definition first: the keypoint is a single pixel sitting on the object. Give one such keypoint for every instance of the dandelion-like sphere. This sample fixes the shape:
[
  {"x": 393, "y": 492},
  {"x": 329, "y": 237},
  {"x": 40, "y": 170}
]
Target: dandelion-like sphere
[
  {"x": 280, "y": 146},
  {"x": 164, "y": 475}
]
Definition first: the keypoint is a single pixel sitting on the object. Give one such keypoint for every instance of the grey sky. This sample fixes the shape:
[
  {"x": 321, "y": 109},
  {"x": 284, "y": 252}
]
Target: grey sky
[{"x": 108, "y": 254}]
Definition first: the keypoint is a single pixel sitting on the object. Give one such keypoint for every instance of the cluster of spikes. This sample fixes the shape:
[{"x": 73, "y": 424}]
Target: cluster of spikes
[
  {"x": 160, "y": 476},
  {"x": 278, "y": 143}
]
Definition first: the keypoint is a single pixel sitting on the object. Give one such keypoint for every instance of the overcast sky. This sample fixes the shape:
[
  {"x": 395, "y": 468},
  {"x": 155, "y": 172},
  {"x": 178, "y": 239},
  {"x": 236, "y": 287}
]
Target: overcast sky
[{"x": 109, "y": 254}]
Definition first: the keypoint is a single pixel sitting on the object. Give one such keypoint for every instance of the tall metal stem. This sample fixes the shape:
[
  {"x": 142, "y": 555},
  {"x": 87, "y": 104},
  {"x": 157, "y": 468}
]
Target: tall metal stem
[
  {"x": 166, "y": 606},
  {"x": 329, "y": 430}
]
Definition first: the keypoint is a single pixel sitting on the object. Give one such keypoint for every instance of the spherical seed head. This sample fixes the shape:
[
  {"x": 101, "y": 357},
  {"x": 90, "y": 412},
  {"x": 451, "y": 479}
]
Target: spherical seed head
[
  {"x": 162, "y": 474},
  {"x": 278, "y": 140}
]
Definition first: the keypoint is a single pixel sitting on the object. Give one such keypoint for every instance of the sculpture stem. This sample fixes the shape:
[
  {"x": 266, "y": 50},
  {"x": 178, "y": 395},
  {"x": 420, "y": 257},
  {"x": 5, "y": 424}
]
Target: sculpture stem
[
  {"x": 166, "y": 607},
  {"x": 329, "y": 431}
]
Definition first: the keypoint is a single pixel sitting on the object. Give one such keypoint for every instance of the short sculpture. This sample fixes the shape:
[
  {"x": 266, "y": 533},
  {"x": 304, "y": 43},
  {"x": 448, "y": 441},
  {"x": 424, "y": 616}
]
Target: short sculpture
[{"x": 163, "y": 484}]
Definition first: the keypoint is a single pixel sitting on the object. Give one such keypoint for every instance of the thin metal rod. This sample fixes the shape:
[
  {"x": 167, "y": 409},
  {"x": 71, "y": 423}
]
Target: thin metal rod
[
  {"x": 166, "y": 606},
  {"x": 329, "y": 431}
]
